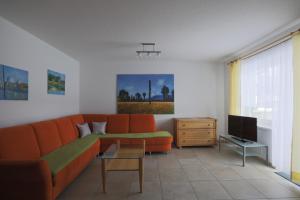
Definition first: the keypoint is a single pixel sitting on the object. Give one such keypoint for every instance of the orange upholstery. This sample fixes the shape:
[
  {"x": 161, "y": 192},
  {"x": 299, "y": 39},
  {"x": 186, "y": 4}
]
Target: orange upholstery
[
  {"x": 95, "y": 118},
  {"x": 66, "y": 130},
  {"x": 141, "y": 123},
  {"x": 69, "y": 173},
  {"x": 18, "y": 143},
  {"x": 118, "y": 123},
  {"x": 161, "y": 140},
  {"x": 159, "y": 148},
  {"x": 76, "y": 119},
  {"x": 29, "y": 179},
  {"x": 47, "y": 136}
]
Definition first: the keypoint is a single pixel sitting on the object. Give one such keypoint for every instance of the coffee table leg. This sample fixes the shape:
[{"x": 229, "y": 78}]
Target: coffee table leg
[
  {"x": 141, "y": 173},
  {"x": 103, "y": 175}
]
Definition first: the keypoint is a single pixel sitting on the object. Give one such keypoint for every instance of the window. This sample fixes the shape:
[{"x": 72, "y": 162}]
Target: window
[
  {"x": 265, "y": 79},
  {"x": 267, "y": 94}
]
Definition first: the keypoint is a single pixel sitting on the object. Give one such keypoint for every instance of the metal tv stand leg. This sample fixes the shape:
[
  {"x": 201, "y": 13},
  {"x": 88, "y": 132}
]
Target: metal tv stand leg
[{"x": 244, "y": 156}]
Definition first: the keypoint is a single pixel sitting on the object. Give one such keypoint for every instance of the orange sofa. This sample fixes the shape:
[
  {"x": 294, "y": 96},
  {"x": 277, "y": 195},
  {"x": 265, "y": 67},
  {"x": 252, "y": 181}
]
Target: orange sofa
[{"x": 32, "y": 165}]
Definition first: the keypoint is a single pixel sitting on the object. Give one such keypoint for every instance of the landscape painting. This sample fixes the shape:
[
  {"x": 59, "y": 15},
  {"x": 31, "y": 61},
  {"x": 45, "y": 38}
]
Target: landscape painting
[
  {"x": 13, "y": 84},
  {"x": 56, "y": 83},
  {"x": 145, "y": 93},
  {"x": 1, "y": 82}
]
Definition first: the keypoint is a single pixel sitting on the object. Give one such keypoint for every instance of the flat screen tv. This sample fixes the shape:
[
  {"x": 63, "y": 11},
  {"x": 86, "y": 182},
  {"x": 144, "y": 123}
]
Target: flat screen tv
[{"x": 243, "y": 128}]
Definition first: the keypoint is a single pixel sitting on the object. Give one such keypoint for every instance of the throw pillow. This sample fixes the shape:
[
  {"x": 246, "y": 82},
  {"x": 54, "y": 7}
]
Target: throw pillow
[
  {"x": 99, "y": 127},
  {"x": 84, "y": 129}
]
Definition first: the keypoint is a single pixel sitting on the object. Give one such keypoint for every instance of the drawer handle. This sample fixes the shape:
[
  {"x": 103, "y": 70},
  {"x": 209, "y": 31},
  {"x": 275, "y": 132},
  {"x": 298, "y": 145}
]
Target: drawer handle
[
  {"x": 183, "y": 133},
  {"x": 183, "y": 124},
  {"x": 208, "y": 124}
]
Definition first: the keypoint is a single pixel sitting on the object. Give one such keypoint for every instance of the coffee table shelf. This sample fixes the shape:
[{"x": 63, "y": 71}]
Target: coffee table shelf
[{"x": 124, "y": 157}]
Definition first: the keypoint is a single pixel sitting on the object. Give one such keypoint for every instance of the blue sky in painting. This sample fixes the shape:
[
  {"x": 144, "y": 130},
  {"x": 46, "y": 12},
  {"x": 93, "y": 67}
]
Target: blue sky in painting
[
  {"x": 14, "y": 74},
  {"x": 139, "y": 83},
  {"x": 62, "y": 76}
]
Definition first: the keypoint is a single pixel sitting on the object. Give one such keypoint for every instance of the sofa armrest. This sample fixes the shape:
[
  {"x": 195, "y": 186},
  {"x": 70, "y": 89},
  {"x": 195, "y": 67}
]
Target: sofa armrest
[{"x": 30, "y": 179}]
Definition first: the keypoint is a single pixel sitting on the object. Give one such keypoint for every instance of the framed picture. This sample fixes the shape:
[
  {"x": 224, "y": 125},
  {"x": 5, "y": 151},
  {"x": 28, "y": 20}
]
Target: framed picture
[
  {"x": 13, "y": 83},
  {"x": 56, "y": 83},
  {"x": 145, "y": 93}
]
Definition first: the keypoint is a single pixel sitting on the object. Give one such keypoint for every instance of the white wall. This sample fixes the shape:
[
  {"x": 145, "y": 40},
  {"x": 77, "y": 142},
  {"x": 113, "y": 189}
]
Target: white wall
[
  {"x": 22, "y": 50},
  {"x": 199, "y": 88}
]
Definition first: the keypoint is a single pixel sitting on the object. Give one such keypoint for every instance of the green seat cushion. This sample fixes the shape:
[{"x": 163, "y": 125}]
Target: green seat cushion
[
  {"x": 159, "y": 134},
  {"x": 61, "y": 157}
]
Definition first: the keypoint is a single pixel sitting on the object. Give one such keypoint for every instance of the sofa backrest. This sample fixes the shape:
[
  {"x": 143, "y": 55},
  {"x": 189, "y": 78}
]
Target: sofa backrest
[
  {"x": 18, "y": 143},
  {"x": 89, "y": 118},
  {"x": 118, "y": 123},
  {"x": 140, "y": 123},
  {"x": 66, "y": 130},
  {"x": 76, "y": 119},
  {"x": 47, "y": 136},
  {"x": 34, "y": 140},
  {"x": 124, "y": 123}
]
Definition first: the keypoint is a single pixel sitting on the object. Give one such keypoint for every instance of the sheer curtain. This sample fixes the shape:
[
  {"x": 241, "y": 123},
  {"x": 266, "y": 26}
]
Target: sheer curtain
[{"x": 267, "y": 94}]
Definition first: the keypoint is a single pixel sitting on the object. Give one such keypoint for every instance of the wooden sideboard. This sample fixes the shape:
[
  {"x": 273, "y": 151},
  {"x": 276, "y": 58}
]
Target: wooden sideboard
[{"x": 195, "y": 131}]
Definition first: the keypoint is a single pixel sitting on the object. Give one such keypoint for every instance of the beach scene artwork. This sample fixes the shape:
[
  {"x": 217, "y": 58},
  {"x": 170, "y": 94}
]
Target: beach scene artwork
[
  {"x": 56, "y": 83},
  {"x": 145, "y": 93},
  {"x": 13, "y": 83}
]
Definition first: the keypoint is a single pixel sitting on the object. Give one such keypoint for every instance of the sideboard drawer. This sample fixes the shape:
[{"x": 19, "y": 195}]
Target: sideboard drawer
[
  {"x": 196, "y": 142},
  {"x": 195, "y": 124},
  {"x": 197, "y": 133}
]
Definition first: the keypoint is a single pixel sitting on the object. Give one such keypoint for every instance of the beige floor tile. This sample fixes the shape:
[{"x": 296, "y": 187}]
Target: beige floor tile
[
  {"x": 172, "y": 175},
  {"x": 272, "y": 189},
  {"x": 152, "y": 190},
  {"x": 213, "y": 164},
  {"x": 178, "y": 191},
  {"x": 150, "y": 174},
  {"x": 208, "y": 190},
  {"x": 249, "y": 172},
  {"x": 185, "y": 153},
  {"x": 226, "y": 173},
  {"x": 190, "y": 161},
  {"x": 168, "y": 163},
  {"x": 120, "y": 176},
  {"x": 151, "y": 162},
  {"x": 195, "y": 173},
  {"x": 241, "y": 189}
]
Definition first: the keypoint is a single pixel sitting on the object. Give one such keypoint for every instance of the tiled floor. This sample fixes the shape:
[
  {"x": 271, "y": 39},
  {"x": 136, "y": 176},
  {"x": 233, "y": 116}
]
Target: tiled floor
[{"x": 187, "y": 174}]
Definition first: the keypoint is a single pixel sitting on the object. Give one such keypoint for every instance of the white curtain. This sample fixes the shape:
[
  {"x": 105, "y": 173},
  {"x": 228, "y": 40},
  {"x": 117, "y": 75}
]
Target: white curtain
[{"x": 267, "y": 94}]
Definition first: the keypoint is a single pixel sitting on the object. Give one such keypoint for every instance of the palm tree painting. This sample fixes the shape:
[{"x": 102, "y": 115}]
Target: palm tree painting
[
  {"x": 13, "y": 83},
  {"x": 145, "y": 93}
]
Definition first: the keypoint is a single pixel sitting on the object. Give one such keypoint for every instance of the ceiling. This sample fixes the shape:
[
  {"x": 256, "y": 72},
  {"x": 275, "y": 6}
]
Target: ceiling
[{"x": 190, "y": 30}]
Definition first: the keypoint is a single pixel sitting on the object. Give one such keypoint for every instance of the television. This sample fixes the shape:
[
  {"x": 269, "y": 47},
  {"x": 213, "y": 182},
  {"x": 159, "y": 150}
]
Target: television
[{"x": 242, "y": 128}]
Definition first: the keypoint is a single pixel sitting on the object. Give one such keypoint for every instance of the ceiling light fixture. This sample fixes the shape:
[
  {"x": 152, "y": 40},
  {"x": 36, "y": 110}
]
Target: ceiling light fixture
[{"x": 147, "y": 50}]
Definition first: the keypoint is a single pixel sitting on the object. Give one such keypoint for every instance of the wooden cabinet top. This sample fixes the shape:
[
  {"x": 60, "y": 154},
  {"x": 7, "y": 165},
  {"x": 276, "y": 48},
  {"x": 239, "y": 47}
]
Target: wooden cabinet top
[{"x": 194, "y": 118}]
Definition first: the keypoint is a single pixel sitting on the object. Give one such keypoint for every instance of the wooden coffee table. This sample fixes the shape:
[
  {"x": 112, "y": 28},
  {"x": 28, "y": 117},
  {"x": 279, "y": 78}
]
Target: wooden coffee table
[{"x": 124, "y": 157}]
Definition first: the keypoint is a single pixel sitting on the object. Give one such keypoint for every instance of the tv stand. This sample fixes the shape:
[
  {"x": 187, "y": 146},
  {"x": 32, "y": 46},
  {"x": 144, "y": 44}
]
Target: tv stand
[
  {"x": 239, "y": 139},
  {"x": 244, "y": 144}
]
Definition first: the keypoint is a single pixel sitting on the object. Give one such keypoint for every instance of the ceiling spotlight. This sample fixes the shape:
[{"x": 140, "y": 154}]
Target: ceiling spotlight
[{"x": 147, "y": 50}]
